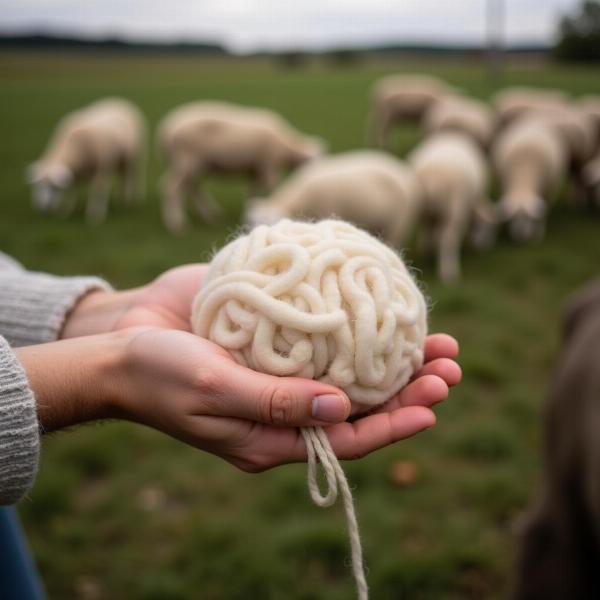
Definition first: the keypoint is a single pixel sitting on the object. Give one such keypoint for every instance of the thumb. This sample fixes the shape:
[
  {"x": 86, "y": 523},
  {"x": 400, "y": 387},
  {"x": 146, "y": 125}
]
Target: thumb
[{"x": 284, "y": 401}]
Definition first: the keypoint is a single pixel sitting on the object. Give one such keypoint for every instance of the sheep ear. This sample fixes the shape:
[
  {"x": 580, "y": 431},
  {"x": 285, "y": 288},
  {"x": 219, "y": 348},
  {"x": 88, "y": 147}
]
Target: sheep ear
[
  {"x": 32, "y": 172},
  {"x": 62, "y": 177}
]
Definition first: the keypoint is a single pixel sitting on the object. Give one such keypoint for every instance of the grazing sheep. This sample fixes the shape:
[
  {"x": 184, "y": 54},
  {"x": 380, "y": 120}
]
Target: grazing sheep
[
  {"x": 451, "y": 171},
  {"x": 204, "y": 137},
  {"x": 559, "y": 549},
  {"x": 368, "y": 188},
  {"x": 530, "y": 160},
  {"x": 399, "y": 98},
  {"x": 591, "y": 176},
  {"x": 514, "y": 102},
  {"x": 576, "y": 129},
  {"x": 575, "y": 126},
  {"x": 590, "y": 105},
  {"x": 91, "y": 145},
  {"x": 464, "y": 115}
]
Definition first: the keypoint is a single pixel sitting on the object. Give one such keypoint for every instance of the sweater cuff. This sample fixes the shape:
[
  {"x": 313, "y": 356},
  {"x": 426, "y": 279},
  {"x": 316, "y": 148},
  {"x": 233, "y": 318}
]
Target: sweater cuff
[
  {"x": 33, "y": 306},
  {"x": 19, "y": 429}
]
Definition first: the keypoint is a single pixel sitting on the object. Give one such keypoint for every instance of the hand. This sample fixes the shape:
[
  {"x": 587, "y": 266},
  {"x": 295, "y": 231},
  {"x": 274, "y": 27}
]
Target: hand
[
  {"x": 193, "y": 390},
  {"x": 165, "y": 302}
]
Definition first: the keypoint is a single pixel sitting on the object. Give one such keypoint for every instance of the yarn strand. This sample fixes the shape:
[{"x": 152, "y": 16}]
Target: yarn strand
[{"x": 319, "y": 448}]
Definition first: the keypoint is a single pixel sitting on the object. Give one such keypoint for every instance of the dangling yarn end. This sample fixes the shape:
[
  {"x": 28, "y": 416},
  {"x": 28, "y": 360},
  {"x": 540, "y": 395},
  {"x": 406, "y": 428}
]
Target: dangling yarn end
[{"x": 319, "y": 449}]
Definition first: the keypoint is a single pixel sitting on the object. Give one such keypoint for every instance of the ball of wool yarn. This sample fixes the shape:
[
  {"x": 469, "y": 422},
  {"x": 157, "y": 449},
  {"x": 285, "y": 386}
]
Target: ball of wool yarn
[{"x": 321, "y": 300}]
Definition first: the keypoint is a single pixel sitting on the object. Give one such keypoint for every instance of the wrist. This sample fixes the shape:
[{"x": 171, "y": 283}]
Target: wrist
[
  {"x": 96, "y": 312},
  {"x": 75, "y": 381}
]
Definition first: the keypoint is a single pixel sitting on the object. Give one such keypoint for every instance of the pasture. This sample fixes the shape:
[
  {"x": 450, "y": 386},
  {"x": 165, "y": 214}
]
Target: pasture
[{"x": 119, "y": 511}]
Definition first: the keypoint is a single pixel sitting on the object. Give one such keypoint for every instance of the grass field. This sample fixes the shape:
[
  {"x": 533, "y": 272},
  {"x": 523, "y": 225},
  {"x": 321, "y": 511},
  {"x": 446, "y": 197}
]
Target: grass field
[{"x": 123, "y": 512}]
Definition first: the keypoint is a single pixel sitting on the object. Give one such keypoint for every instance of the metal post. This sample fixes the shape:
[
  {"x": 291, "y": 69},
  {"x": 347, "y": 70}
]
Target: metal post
[{"x": 495, "y": 15}]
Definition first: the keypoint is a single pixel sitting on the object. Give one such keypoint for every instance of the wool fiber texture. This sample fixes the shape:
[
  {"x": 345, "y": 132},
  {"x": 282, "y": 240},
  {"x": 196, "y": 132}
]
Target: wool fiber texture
[{"x": 324, "y": 301}]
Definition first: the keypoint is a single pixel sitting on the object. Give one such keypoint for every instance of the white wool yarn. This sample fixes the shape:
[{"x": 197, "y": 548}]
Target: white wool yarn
[{"x": 324, "y": 301}]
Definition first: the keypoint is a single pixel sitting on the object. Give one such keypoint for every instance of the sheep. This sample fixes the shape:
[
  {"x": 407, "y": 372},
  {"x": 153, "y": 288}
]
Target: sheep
[
  {"x": 91, "y": 145},
  {"x": 591, "y": 176},
  {"x": 530, "y": 160},
  {"x": 559, "y": 541},
  {"x": 403, "y": 98},
  {"x": 590, "y": 105},
  {"x": 198, "y": 138},
  {"x": 577, "y": 131},
  {"x": 451, "y": 171},
  {"x": 514, "y": 102},
  {"x": 458, "y": 113},
  {"x": 368, "y": 188}
]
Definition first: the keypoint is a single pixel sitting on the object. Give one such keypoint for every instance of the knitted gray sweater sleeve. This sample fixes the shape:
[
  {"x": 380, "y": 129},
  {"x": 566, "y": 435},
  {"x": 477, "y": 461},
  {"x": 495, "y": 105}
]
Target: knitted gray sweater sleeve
[
  {"x": 33, "y": 307},
  {"x": 19, "y": 432}
]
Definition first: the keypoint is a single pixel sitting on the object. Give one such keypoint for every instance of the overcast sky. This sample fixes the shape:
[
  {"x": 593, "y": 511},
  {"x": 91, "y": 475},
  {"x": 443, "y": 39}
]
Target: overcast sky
[{"x": 245, "y": 25}]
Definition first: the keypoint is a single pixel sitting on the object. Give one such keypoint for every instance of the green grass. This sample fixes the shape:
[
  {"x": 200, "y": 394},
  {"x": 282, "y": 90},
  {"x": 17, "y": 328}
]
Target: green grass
[{"x": 120, "y": 511}]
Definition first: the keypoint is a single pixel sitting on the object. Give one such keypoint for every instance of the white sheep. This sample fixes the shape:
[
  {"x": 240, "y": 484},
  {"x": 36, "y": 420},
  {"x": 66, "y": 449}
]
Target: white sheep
[
  {"x": 398, "y": 98},
  {"x": 451, "y": 170},
  {"x": 92, "y": 145},
  {"x": 514, "y": 102},
  {"x": 368, "y": 188},
  {"x": 576, "y": 129},
  {"x": 464, "y": 115},
  {"x": 590, "y": 105},
  {"x": 530, "y": 159},
  {"x": 199, "y": 138},
  {"x": 591, "y": 174}
]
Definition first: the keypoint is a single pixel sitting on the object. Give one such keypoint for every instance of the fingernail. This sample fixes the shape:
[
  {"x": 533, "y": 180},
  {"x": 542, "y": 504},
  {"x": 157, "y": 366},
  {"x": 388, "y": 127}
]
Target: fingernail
[{"x": 329, "y": 408}]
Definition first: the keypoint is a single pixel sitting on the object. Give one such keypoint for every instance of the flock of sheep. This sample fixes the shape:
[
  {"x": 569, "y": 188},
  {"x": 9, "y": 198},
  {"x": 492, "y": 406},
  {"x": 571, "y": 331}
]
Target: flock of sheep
[{"x": 534, "y": 139}]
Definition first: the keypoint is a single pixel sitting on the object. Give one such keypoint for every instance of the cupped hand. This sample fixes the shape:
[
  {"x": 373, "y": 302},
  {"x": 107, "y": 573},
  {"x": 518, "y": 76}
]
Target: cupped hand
[{"x": 193, "y": 390}]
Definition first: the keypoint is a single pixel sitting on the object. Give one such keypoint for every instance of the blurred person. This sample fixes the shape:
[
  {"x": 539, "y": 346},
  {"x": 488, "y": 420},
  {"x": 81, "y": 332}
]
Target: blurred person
[
  {"x": 559, "y": 554},
  {"x": 73, "y": 350}
]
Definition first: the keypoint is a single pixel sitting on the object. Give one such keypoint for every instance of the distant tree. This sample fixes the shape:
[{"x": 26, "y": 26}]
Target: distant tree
[
  {"x": 292, "y": 59},
  {"x": 579, "y": 34},
  {"x": 344, "y": 57}
]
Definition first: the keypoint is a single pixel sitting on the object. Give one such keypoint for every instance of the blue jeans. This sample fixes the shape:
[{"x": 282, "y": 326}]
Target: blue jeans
[{"x": 19, "y": 579}]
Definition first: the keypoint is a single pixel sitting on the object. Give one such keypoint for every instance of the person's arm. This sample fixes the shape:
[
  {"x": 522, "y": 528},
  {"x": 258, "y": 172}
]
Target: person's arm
[
  {"x": 19, "y": 436},
  {"x": 34, "y": 306},
  {"x": 194, "y": 391}
]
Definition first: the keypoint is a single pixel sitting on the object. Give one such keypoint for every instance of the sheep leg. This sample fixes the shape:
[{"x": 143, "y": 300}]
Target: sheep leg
[
  {"x": 67, "y": 206},
  {"x": 382, "y": 130},
  {"x": 449, "y": 243},
  {"x": 132, "y": 179},
  {"x": 398, "y": 232},
  {"x": 206, "y": 206},
  {"x": 266, "y": 180},
  {"x": 426, "y": 238},
  {"x": 175, "y": 185},
  {"x": 579, "y": 192},
  {"x": 448, "y": 257},
  {"x": 97, "y": 204}
]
